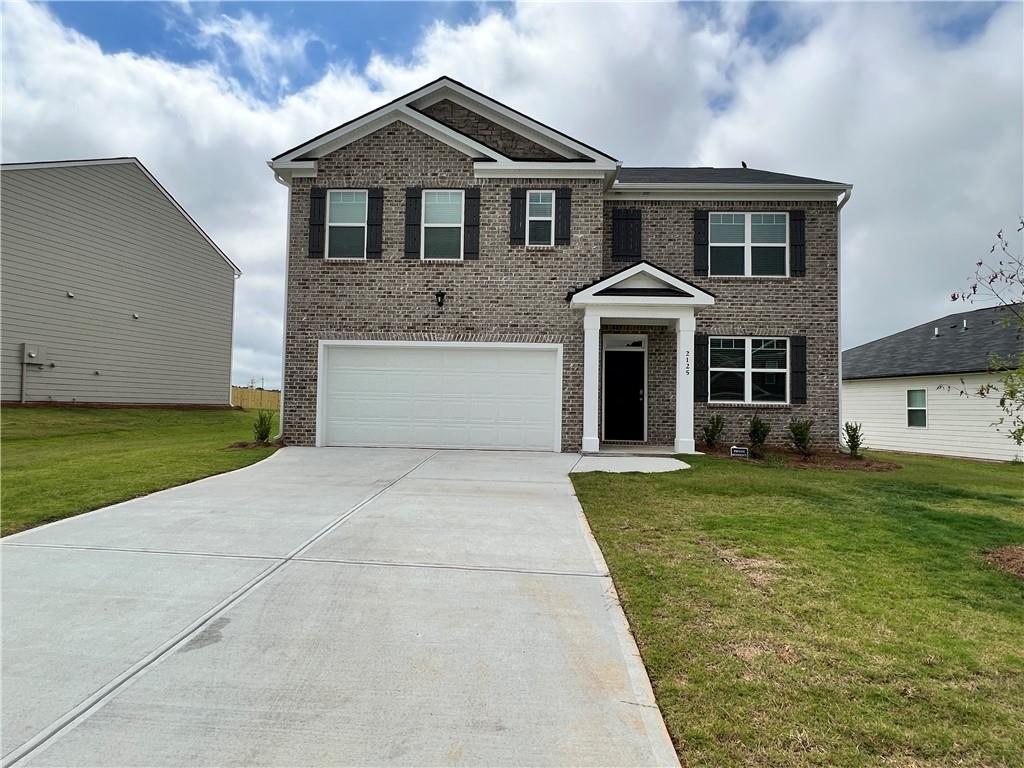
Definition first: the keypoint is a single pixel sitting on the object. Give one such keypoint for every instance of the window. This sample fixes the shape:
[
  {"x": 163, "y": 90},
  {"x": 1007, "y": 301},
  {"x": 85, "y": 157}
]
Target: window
[
  {"x": 540, "y": 218},
  {"x": 346, "y": 224},
  {"x": 750, "y": 244},
  {"x": 748, "y": 370},
  {"x": 917, "y": 408},
  {"x": 442, "y": 224}
]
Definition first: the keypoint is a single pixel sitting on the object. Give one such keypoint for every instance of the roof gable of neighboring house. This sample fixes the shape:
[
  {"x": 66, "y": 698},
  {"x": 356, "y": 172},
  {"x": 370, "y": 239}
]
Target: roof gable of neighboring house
[
  {"x": 965, "y": 342},
  {"x": 133, "y": 162},
  {"x": 476, "y": 125}
]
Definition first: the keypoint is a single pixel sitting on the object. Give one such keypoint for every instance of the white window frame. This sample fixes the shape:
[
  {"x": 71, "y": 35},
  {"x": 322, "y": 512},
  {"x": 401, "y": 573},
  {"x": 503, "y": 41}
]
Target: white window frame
[
  {"x": 328, "y": 225},
  {"x": 424, "y": 225},
  {"x": 748, "y": 261},
  {"x": 748, "y": 371},
  {"x": 550, "y": 218},
  {"x": 910, "y": 408}
]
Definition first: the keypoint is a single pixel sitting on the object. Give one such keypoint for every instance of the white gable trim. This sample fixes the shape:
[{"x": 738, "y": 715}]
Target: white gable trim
[
  {"x": 589, "y": 296},
  {"x": 7, "y": 167}
]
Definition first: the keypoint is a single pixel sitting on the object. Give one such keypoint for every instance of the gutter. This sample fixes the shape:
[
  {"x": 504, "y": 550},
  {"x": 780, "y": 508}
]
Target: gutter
[{"x": 847, "y": 193}]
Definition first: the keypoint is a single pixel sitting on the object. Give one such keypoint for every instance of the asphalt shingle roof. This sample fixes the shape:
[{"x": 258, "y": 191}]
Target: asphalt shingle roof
[
  {"x": 712, "y": 176},
  {"x": 918, "y": 351}
]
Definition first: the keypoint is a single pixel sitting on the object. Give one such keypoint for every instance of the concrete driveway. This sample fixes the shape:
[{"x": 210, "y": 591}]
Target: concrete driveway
[{"x": 327, "y": 607}]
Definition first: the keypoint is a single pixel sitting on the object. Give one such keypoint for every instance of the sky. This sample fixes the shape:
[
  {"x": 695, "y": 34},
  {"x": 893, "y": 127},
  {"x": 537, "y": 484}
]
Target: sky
[{"x": 920, "y": 106}]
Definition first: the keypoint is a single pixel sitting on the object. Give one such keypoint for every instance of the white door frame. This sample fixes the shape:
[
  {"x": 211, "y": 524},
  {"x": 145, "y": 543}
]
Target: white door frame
[
  {"x": 621, "y": 337},
  {"x": 323, "y": 344}
]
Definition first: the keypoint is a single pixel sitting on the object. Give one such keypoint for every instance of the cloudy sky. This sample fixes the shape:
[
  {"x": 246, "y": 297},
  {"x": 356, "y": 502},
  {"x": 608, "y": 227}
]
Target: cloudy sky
[{"x": 918, "y": 105}]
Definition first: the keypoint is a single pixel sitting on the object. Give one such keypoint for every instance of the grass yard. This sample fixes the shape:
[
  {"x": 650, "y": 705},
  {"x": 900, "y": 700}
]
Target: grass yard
[
  {"x": 59, "y": 462},
  {"x": 793, "y": 617}
]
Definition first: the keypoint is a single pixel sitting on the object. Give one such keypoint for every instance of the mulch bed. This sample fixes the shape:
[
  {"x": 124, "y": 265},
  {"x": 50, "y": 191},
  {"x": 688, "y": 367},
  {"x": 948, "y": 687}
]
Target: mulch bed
[
  {"x": 817, "y": 460},
  {"x": 257, "y": 444},
  {"x": 1009, "y": 558}
]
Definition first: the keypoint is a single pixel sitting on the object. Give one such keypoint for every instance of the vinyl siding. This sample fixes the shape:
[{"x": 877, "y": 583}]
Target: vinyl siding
[
  {"x": 109, "y": 236},
  {"x": 957, "y": 426}
]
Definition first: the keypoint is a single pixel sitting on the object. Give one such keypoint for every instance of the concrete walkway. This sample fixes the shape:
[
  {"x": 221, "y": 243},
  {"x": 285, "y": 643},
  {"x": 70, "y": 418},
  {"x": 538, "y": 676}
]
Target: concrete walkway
[{"x": 327, "y": 607}]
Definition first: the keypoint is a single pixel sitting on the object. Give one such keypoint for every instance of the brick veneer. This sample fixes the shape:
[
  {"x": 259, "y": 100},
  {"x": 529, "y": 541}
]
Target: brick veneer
[
  {"x": 512, "y": 293},
  {"x": 745, "y": 306},
  {"x": 488, "y": 133}
]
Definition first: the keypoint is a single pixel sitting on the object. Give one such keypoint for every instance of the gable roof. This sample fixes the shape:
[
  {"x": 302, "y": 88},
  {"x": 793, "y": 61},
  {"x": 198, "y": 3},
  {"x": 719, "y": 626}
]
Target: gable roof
[
  {"x": 705, "y": 176},
  {"x": 641, "y": 283},
  {"x": 918, "y": 351},
  {"x": 125, "y": 161},
  {"x": 408, "y": 108}
]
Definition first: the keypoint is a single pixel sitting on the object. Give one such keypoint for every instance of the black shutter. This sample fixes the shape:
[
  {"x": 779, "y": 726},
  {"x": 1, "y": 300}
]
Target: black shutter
[
  {"x": 563, "y": 216},
  {"x": 700, "y": 243},
  {"x": 374, "y": 222},
  {"x": 317, "y": 221},
  {"x": 517, "y": 218},
  {"x": 471, "y": 224},
  {"x": 797, "y": 244},
  {"x": 798, "y": 369},
  {"x": 700, "y": 368},
  {"x": 413, "y": 201},
  {"x": 626, "y": 233}
]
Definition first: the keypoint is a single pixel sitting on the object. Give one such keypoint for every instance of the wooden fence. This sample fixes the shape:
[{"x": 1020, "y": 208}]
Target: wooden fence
[{"x": 257, "y": 399}]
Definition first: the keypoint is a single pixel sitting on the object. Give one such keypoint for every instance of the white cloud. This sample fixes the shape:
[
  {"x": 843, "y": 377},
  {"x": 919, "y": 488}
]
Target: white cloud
[{"x": 929, "y": 132}]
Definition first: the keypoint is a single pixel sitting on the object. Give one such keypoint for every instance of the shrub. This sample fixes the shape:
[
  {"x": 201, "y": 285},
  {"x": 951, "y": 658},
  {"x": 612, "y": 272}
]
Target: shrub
[
  {"x": 758, "y": 433},
  {"x": 713, "y": 430},
  {"x": 854, "y": 434},
  {"x": 261, "y": 427},
  {"x": 800, "y": 436}
]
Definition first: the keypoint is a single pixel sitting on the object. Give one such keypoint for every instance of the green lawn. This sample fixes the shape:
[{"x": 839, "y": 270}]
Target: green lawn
[
  {"x": 792, "y": 617},
  {"x": 59, "y": 462}
]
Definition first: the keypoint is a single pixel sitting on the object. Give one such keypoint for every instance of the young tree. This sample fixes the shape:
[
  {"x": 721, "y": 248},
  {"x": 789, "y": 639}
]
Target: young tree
[{"x": 1001, "y": 277}]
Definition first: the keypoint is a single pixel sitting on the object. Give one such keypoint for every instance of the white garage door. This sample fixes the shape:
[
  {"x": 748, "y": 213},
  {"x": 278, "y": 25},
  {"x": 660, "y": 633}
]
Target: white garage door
[{"x": 441, "y": 396}]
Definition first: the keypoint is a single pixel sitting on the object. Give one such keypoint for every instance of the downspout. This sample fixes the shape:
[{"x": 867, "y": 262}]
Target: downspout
[
  {"x": 847, "y": 193},
  {"x": 284, "y": 324}
]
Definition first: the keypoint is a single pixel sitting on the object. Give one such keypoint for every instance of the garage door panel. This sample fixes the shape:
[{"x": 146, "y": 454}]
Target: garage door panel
[{"x": 501, "y": 396}]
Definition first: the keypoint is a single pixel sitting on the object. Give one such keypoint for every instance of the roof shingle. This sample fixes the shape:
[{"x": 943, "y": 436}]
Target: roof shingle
[{"x": 713, "y": 176}]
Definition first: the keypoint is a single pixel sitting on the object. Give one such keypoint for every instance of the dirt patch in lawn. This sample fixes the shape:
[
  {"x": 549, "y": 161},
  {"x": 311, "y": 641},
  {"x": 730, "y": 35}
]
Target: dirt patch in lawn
[
  {"x": 257, "y": 444},
  {"x": 1009, "y": 559},
  {"x": 780, "y": 456},
  {"x": 761, "y": 573}
]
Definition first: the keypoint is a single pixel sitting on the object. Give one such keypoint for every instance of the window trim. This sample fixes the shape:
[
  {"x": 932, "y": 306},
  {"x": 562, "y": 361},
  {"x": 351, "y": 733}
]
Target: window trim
[
  {"x": 748, "y": 372},
  {"x": 550, "y": 218},
  {"x": 910, "y": 408},
  {"x": 424, "y": 225},
  {"x": 327, "y": 225},
  {"x": 748, "y": 260}
]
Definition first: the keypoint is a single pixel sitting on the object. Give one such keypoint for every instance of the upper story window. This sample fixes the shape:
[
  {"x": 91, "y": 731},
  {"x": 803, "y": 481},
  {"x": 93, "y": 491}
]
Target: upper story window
[
  {"x": 917, "y": 408},
  {"x": 442, "y": 224},
  {"x": 748, "y": 244},
  {"x": 346, "y": 224},
  {"x": 540, "y": 218},
  {"x": 748, "y": 370}
]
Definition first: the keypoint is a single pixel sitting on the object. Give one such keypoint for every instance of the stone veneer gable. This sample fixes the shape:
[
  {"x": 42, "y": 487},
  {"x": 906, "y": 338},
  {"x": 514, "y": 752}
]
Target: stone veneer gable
[{"x": 488, "y": 133}]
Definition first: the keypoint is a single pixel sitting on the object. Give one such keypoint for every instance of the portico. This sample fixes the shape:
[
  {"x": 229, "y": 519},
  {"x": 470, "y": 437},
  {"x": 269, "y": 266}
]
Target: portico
[{"x": 640, "y": 295}]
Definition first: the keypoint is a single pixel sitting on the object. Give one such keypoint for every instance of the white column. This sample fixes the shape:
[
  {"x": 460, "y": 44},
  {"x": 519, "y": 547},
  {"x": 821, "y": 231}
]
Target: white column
[
  {"x": 685, "y": 327},
  {"x": 591, "y": 356}
]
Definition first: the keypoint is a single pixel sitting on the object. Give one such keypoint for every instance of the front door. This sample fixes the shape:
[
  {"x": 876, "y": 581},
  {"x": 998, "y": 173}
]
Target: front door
[{"x": 625, "y": 410}]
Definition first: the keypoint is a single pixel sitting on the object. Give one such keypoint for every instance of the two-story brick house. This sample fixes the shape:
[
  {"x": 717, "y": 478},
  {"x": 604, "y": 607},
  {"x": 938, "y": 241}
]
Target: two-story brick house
[{"x": 462, "y": 276}]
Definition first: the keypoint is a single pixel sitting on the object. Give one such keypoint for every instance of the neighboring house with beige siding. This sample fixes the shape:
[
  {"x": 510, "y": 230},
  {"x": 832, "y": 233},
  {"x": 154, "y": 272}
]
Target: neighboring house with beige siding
[
  {"x": 907, "y": 389},
  {"x": 111, "y": 293}
]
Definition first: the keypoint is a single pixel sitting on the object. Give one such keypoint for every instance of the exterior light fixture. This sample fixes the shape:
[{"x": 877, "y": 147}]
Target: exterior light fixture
[{"x": 439, "y": 296}]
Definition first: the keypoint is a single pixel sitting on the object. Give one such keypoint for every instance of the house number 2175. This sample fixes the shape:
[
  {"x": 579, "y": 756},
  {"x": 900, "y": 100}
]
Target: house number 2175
[{"x": 687, "y": 367}]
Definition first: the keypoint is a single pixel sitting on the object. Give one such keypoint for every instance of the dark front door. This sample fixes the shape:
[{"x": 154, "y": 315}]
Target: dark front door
[{"x": 623, "y": 394}]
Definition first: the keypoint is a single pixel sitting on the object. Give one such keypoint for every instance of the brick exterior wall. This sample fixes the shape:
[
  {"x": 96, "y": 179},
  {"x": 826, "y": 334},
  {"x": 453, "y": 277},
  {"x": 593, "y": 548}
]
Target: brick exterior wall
[
  {"x": 517, "y": 293},
  {"x": 752, "y": 306},
  {"x": 488, "y": 133},
  {"x": 511, "y": 294}
]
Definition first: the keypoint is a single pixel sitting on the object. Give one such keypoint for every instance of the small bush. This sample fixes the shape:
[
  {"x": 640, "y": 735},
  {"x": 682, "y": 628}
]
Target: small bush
[
  {"x": 758, "y": 433},
  {"x": 261, "y": 427},
  {"x": 800, "y": 436},
  {"x": 713, "y": 430},
  {"x": 854, "y": 434}
]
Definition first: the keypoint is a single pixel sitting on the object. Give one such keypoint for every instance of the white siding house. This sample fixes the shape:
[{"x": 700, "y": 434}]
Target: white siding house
[
  {"x": 111, "y": 293},
  {"x": 905, "y": 389}
]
